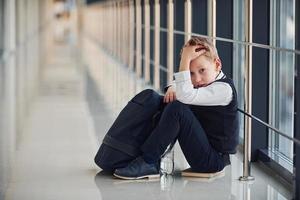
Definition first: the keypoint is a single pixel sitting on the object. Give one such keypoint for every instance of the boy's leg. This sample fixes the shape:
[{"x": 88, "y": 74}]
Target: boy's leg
[
  {"x": 132, "y": 127},
  {"x": 178, "y": 121}
]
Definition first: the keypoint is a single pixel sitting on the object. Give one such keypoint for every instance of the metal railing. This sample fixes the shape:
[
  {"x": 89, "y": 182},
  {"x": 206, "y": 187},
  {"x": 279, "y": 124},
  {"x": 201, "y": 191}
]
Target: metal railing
[
  {"x": 270, "y": 127},
  {"x": 253, "y": 44},
  {"x": 246, "y": 174}
]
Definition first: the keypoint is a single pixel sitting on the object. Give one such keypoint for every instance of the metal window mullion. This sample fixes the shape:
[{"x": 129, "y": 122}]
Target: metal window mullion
[
  {"x": 115, "y": 28},
  {"x": 109, "y": 27},
  {"x": 119, "y": 30},
  {"x": 110, "y": 73},
  {"x": 187, "y": 19},
  {"x": 100, "y": 24},
  {"x": 100, "y": 72},
  {"x": 272, "y": 74},
  {"x": 147, "y": 41},
  {"x": 104, "y": 28},
  {"x": 1, "y": 27},
  {"x": 103, "y": 11},
  {"x": 170, "y": 45},
  {"x": 156, "y": 44},
  {"x": 131, "y": 34},
  {"x": 127, "y": 37},
  {"x": 21, "y": 94},
  {"x": 114, "y": 64},
  {"x": 10, "y": 71},
  {"x": 115, "y": 25},
  {"x": 124, "y": 21},
  {"x": 125, "y": 28},
  {"x": 138, "y": 16},
  {"x": 212, "y": 20}
]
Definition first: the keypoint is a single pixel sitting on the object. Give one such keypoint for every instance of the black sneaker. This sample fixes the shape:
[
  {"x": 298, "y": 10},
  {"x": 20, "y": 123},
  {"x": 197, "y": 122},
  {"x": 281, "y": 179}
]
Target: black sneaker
[{"x": 138, "y": 169}]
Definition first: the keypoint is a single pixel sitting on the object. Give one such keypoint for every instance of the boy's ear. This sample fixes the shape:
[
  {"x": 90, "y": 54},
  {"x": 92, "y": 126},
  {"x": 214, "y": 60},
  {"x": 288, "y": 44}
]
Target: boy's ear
[{"x": 218, "y": 64}]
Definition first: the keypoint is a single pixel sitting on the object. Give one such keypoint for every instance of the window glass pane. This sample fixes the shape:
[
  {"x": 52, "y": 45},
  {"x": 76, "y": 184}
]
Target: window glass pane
[
  {"x": 178, "y": 26},
  {"x": 163, "y": 44},
  {"x": 282, "y": 74},
  {"x": 239, "y": 56},
  {"x": 151, "y": 5}
]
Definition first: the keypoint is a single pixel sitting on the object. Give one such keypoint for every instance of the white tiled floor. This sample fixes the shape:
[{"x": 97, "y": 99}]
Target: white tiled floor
[{"x": 55, "y": 156}]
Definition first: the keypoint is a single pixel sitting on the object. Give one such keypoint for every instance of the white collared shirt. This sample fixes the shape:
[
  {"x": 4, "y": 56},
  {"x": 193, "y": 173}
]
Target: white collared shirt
[{"x": 216, "y": 93}]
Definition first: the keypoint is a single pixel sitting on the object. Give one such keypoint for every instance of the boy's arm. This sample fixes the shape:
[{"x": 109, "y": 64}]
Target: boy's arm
[
  {"x": 217, "y": 93},
  {"x": 172, "y": 84},
  {"x": 170, "y": 93},
  {"x": 189, "y": 53}
]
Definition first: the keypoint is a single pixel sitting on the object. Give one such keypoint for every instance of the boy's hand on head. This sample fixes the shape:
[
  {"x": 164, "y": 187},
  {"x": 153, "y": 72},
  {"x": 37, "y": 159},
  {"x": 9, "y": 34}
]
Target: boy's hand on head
[
  {"x": 170, "y": 95},
  {"x": 189, "y": 53}
]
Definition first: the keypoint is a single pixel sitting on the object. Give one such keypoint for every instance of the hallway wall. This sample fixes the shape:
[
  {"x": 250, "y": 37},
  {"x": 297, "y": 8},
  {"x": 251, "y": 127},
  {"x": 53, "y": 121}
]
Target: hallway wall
[{"x": 19, "y": 73}]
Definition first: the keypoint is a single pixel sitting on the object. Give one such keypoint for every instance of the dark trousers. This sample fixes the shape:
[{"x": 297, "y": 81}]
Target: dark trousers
[
  {"x": 178, "y": 122},
  {"x": 129, "y": 131}
]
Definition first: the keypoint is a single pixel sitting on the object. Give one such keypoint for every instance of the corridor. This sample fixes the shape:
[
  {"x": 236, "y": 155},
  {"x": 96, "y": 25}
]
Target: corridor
[
  {"x": 68, "y": 70},
  {"x": 54, "y": 159}
]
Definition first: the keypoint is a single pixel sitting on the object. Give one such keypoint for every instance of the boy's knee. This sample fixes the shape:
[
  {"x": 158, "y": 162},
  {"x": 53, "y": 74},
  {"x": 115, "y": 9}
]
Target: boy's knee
[
  {"x": 147, "y": 96},
  {"x": 149, "y": 92},
  {"x": 176, "y": 106},
  {"x": 177, "y": 103}
]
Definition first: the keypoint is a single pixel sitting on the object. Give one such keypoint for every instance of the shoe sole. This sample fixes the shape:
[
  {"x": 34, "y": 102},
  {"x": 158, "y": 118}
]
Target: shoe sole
[
  {"x": 202, "y": 175},
  {"x": 139, "y": 177}
]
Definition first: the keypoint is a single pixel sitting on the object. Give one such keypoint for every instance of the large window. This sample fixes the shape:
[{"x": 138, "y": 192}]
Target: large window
[{"x": 282, "y": 26}]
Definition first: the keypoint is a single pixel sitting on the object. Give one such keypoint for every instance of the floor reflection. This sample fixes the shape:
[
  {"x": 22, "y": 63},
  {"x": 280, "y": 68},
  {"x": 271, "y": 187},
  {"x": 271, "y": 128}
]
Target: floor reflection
[
  {"x": 113, "y": 188},
  {"x": 176, "y": 187},
  {"x": 167, "y": 188}
]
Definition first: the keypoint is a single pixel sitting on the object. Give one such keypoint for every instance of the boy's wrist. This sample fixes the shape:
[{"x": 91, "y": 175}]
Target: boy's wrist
[{"x": 184, "y": 64}]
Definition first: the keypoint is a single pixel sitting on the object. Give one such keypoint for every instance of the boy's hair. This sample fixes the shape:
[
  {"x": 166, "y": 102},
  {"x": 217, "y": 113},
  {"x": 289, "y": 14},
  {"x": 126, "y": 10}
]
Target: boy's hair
[{"x": 211, "y": 50}]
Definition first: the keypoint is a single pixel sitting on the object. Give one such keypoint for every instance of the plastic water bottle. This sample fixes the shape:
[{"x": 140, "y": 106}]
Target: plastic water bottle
[
  {"x": 166, "y": 182},
  {"x": 167, "y": 163}
]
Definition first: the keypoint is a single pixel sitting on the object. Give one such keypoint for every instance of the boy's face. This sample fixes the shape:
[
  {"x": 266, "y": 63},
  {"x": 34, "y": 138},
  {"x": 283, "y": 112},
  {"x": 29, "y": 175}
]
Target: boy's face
[{"x": 204, "y": 70}]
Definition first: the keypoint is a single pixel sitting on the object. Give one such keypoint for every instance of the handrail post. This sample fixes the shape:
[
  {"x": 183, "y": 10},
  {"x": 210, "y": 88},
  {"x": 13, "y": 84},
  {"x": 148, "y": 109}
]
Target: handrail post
[
  {"x": 297, "y": 108},
  {"x": 248, "y": 93}
]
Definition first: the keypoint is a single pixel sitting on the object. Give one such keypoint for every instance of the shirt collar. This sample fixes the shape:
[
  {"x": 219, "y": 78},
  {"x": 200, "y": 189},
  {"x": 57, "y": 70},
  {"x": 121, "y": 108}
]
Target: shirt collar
[{"x": 221, "y": 75}]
